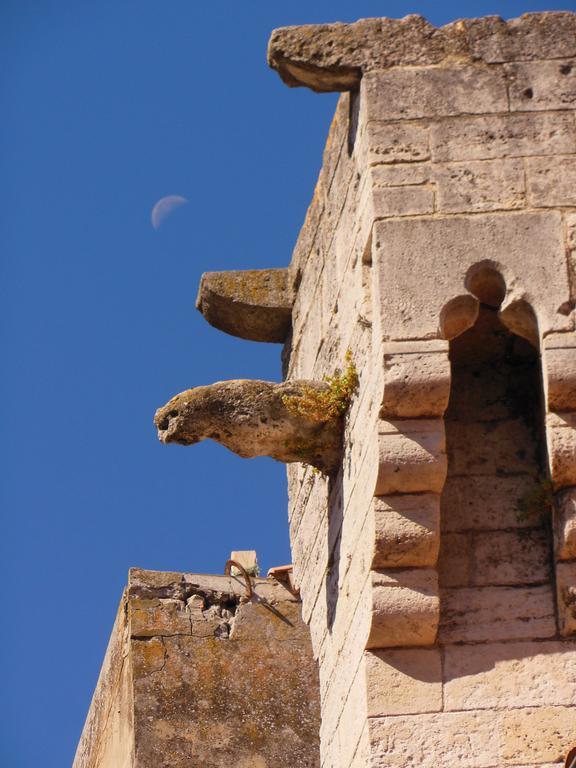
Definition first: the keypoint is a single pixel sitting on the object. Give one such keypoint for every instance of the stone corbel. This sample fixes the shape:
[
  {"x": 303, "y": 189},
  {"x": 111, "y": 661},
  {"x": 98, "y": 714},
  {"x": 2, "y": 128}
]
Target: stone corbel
[
  {"x": 406, "y": 507},
  {"x": 559, "y": 368}
]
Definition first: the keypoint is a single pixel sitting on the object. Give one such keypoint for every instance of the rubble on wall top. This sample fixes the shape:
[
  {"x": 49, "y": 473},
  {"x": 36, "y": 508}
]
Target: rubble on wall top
[{"x": 333, "y": 57}]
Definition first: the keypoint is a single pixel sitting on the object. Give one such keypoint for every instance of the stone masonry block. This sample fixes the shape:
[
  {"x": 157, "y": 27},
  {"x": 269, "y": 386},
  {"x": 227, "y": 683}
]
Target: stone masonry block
[
  {"x": 490, "y": 448},
  {"x": 507, "y": 675},
  {"x": 541, "y": 734},
  {"x": 440, "y": 740},
  {"x": 561, "y": 437},
  {"x": 490, "y": 614},
  {"x": 488, "y": 503},
  {"x": 395, "y": 143},
  {"x": 515, "y": 135},
  {"x": 150, "y": 617},
  {"x": 402, "y": 201},
  {"x": 455, "y": 561},
  {"x": 542, "y": 85},
  {"x": 532, "y": 36},
  {"x": 403, "y": 681},
  {"x": 481, "y": 185},
  {"x": 551, "y": 181},
  {"x": 412, "y": 456},
  {"x": 406, "y": 530},
  {"x": 566, "y": 597},
  {"x": 399, "y": 175},
  {"x": 511, "y": 557},
  {"x": 405, "y": 608},
  {"x": 559, "y": 360},
  {"x": 419, "y": 92},
  {"x": 565, "y": 525},
  {"x": 416, "y": 379},
  {"x": 421, "y": 264}
]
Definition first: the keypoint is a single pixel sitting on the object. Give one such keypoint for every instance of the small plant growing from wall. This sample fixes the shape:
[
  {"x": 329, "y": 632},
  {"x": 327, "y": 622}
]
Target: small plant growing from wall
[{"x": 330, "y": 403}]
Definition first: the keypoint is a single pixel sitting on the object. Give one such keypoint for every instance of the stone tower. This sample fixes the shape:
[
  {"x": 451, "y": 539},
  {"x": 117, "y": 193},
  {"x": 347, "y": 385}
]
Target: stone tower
[{"x": 428, "y": 416}]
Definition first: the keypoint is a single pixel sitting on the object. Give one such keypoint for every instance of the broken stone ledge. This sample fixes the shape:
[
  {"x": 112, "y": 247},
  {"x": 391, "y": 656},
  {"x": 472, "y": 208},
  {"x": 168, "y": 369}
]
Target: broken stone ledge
[
  {"x": 333, "y": 57},
  {"x": 252, "y": 418},
  {"x": 254, "y": 304}
]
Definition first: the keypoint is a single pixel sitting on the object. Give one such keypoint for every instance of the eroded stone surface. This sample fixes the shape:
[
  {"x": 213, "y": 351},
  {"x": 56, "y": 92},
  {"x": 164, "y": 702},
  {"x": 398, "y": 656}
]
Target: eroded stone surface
[
  {"x": 253, "y": 418},
  {"x": 253, "y": 304}
]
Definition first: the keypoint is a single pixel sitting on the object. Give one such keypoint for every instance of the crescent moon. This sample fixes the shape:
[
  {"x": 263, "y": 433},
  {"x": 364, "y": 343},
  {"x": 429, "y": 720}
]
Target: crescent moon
[{"x": 164, "y": 208}]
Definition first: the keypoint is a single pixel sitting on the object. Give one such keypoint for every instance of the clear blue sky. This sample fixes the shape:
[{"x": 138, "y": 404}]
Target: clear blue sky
[{"x": 106, "y": 107}]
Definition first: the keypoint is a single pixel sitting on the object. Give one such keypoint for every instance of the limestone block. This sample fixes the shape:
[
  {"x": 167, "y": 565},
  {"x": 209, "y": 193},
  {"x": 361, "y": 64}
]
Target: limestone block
[
  {"x": 383, "y": 142},
  {"x": 158, "y": 617},
  {"x": 480, "y": 185},
  {"x": 542, "y": 85},
  {"x": 412, "y": 456},
  {"x": 416, "y": 379},
  {"x": 399, "y": 175},
  {"x": 455, "y": 560},
  {"x": 552, "y": 180},
  {"x": 565, "y": 525},
  {"x": 559, "y": 362},
  {"x": 403, "y": 201},
  {"x": 566, "y": 597},
  {"x": 532, "y": 36},
  {"x": 420, "y": 92},
  {"x": 508, "y": 675},
  {"x": 403, "y": 681},
  {"x": 511, "y": 557},
  {"x": 439, "y": 740},
  {"x": 405, "y": 608},
  {"x": 254, "y": 304},
  {"x": 423, "y": 263},
  {"x": 542, "y": 734},
  {"x": 490, "y": 448},
  {"x": 488, "y": 503},
  {"x": 514, "y": 135},
  {"x": 406, "y": 530},
  {"x": 478, "y": 615},
  {"x": 561, "y": 437}
]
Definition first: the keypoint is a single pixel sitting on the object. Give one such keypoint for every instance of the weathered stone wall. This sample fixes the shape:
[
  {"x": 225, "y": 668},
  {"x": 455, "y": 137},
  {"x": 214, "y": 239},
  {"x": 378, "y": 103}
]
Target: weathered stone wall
[
  {"x": 437, "y": 580},
  {"x": 197, "y": 675}
]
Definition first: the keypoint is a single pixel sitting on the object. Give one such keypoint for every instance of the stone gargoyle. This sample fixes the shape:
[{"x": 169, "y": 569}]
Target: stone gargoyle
[{"x": 292, "y": 421}]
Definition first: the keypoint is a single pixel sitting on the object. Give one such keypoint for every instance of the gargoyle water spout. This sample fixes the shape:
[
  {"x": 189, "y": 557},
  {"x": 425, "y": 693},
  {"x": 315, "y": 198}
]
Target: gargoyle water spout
[{"x": 256, "y": 418}]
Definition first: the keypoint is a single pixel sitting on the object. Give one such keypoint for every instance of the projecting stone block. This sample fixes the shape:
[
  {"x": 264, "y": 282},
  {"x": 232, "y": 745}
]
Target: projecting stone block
[
  {"x": 403, "y": 681},
  {"x": 412, "y": 456},
  {"x": 254, "y": 304},
  {"x": 406, "y": 530},
  {"x": 561, "y": 436},
  {"x": 565, "y": 525},
  {"x": 487, "y": 185},
  {"x": 497, "y": 676},
  {"x": 405, "y": 608},
  {"x": 492, "y": 136},
  {"x": 542, "y": 85},
  {"x": 551, "y": 181},
  {"x": 416, "y": 379},
  {"x": 566, "y": 597},
  {"x": 420, "y": 92},
  {"x": 559, "y": 360},
  {"x": 483, "y": 614},
  {"x": 532, "y": 36},
  {"x": 421, "y": 264}
]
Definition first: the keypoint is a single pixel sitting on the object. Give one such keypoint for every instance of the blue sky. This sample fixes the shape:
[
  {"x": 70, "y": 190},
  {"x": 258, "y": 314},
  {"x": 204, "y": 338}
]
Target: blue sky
[{"x": 106, "y": 107}]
